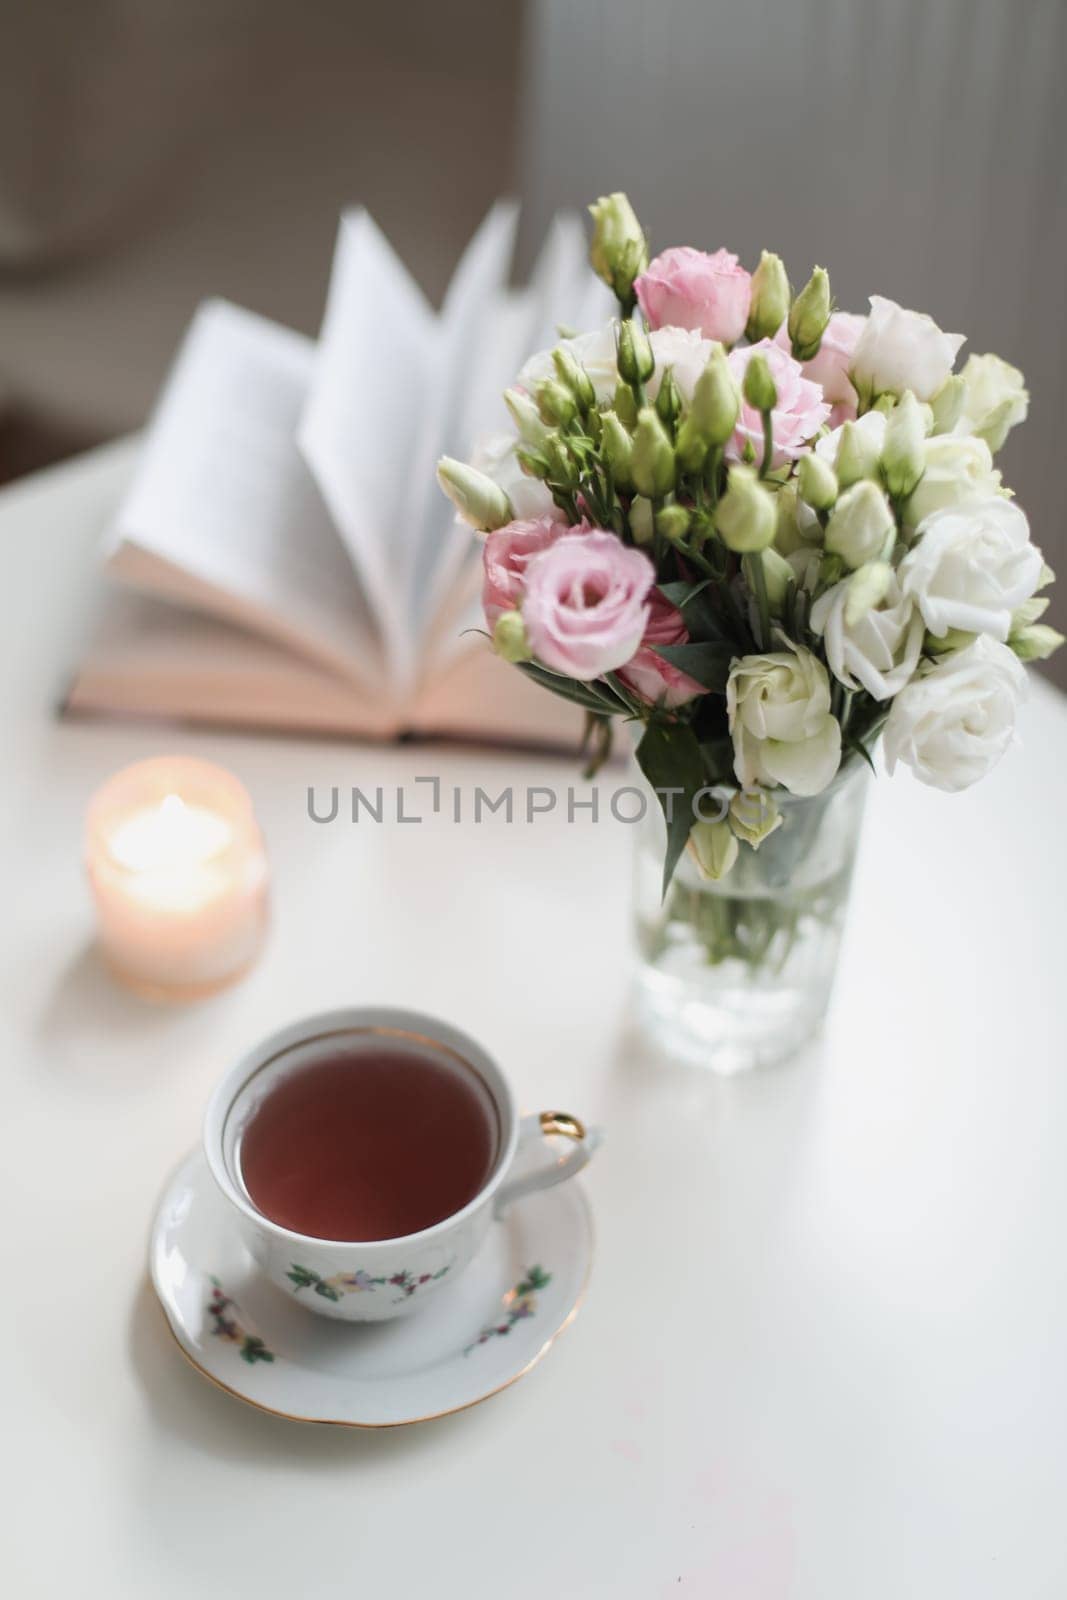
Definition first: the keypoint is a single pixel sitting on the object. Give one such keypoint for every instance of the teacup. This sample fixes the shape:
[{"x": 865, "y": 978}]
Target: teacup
[{"x": 374, "y": 1280}]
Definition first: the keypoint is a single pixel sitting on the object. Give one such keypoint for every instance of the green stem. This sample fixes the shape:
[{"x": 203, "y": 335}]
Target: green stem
[
  {"x": 758, "y": 584},
  {"x": 768, "y": 443}
]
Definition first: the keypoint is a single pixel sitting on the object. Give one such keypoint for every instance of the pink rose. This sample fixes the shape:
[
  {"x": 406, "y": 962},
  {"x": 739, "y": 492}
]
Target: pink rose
[
  {"x": 798, "y": 416},
  {"x": 830, "y": 368},
  {"x": 586, "y": 604},
  {"x": 686, "y": 288},
  {"x": 650, "y": 677},
  {"x": 507, "y": 554}
]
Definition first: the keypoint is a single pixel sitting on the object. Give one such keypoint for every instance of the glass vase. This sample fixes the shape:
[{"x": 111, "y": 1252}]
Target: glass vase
[{"x": 738, "y": 974}]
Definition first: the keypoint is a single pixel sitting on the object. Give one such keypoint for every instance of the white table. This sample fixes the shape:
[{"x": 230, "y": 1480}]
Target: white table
[{"x": 823, "y": 1351}]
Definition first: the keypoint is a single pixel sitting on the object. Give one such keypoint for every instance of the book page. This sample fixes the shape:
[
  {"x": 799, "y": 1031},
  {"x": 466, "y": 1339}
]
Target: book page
[
  {"x": 372, "y": 372},
  {"x": 563, "y": 292},
  {"x": 222, "y": 506},
  {"x": 149, "y": 658},
  {"x": 474, "y": 295}
]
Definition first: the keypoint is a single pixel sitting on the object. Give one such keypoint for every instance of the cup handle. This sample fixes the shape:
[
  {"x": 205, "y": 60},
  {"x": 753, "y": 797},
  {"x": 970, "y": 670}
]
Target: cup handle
[{"x": 546, "y": 1125}]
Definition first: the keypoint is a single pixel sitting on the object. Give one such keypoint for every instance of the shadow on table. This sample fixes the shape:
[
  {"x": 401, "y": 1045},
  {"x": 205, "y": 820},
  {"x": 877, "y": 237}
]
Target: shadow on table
[
  {"x": 643, "y": 1064},
  {"x": 186, "y": 1406},
  {"x": 94, "y": 1025}
]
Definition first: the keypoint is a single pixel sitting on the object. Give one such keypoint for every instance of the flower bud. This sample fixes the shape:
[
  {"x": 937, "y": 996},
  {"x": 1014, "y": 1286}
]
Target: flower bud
[
  {"x": 857, "y": 456},
  {"x": 668, "y": 400},
  {"x": 940, "y": 644},
  {"x": 509, "y": 637},
  {"x": 562, "y": 468},
  {"x": 642, "y": 520},
  {"x": 556, "y": 405},
  {"x": 947, "y": 404},
  {"x": 673, "y": 523},
  {"x": 617, "y": 447},
  {"x": 526, "y": 417},
  {"x": 713, "y": 847},
  {"x": 625, "y": 406},
  {"x": 532, "y": 462},
  {"x": 479, "y": 500},
  {"x": 867, "y": 588},
  {"x": 791, "y": 533},
  {"x": 816, "y": 482},
  {"x": 635, "y": 360},
  {"x": 746, "y": 516},
  {"x": 753, "y": 815},
  {"x": 653, "y": 458},
  {"x": 759, "y": 387},
  {"x": 769, "y": 305},
  {"x": 1026, "y": 614},
  {"x": 712, "y": 414},
  {"x": 862, "y": 527},
  {"x": 777, "y": 576},
  {"x": 903, "y": 454},
  {"x": 1036, "y": 642},
  {"x": 618, "y": 253},
  {"x": 575, "y": 378},
  {"x": 808, "y": 316}
]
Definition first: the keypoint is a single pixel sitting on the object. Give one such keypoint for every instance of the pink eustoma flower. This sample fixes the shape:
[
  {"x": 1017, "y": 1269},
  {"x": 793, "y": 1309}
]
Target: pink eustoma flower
[
  {"x": 586, "y": 604},
  {"x": 796, "y": 419},
  {"x": 651, "y": 678},
  {"x": 506, "y": 556},
  {"x": 687, "y": 288}
]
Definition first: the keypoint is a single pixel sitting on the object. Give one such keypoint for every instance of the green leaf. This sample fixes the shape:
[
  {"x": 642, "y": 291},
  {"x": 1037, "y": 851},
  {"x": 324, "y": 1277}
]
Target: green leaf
[
  {"x": 708, "y": 663},
  {"x": 581, "y": 694},
  {"x": 669, "y": 756},
  {"x": 682, "y": 590}
]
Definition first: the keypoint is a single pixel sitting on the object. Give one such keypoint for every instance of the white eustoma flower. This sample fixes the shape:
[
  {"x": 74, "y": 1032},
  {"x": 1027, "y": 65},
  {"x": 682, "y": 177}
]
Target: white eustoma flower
[
  {"x": 958, "y": 471},
  {"x": 871, "y": 429},
  {"x": 778, "y": 705},
  {"x": 900, "y": 350},
  {"x": 681, "y": 348},
  {"x": 952, "y": 724},
  {"x": 529, "y": 497},
  {"x": 862, "y": 527},
  {"x": 970, "y": 567},
  {"x": 995, "y": 398},
  {"x": 595, "y": 351},
  {"x": 880, "y": 650}
]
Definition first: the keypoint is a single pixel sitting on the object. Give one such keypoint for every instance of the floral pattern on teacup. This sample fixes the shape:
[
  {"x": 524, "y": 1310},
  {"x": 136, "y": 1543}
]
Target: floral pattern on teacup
[
  {"x": 519, "y": 1303},
  {"x": 359, "y": 1282},
  {"x": 226, "y": 1324}
]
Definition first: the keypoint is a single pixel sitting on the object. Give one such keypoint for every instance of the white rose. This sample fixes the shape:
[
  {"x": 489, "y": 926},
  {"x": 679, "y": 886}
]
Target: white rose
[
  {"x": 529, "y": 497},
  {"x": 995, "y": 398},
  {"x": 779, "y": 710},
  {"x": 953, "y": 724},
  {"x": 971, "y": 566},
  {"x": 957, "y": 472},
  {"x": 880, "y": 650},
  {"x": 900, "y": 350},
  {"x": 594, "y": 351}
]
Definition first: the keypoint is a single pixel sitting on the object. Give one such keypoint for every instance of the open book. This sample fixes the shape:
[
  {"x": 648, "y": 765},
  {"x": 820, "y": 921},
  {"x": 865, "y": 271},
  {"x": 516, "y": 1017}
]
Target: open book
[{"x": 284, "y": 557}]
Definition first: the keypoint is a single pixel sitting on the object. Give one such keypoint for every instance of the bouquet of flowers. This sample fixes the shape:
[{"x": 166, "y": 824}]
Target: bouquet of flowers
[{"x": 765, "y": 531}]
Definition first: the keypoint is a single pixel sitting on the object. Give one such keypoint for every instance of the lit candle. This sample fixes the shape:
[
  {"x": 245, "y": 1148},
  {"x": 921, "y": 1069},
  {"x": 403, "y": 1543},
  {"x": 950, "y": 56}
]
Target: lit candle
[{"x": 179, "y": 876}]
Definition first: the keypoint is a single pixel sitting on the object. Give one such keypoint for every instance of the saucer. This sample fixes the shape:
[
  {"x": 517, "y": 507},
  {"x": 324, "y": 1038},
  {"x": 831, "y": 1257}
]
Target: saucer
[{"x": 482, "y": 1333}]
